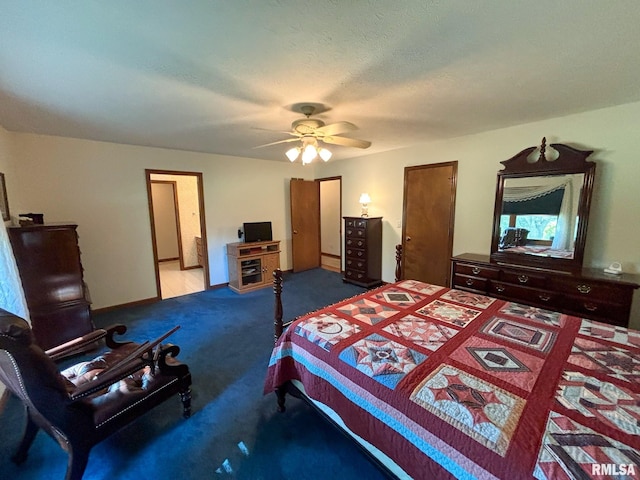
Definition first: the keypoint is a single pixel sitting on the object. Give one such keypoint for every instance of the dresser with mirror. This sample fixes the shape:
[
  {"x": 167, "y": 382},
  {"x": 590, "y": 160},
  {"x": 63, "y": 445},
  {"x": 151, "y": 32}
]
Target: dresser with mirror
[{"x": 543, "y": 197}]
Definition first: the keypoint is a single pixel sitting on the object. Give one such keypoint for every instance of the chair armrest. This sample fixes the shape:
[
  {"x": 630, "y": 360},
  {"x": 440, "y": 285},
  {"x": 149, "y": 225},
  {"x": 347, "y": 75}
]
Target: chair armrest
[
  {"x": 76, "y": 344},
  {"x": 111, "y": 331},
  {"x": 137, "y": 359}
]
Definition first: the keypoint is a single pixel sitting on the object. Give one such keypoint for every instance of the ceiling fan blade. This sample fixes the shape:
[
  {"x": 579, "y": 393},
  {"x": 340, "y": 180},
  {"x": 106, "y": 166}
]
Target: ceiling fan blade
[
  {"x": 279, "y": 141},
  {"x": 346, "y": 142},
  {"x": 288, "y": 132},
  {"x": 336, "y": 128}
]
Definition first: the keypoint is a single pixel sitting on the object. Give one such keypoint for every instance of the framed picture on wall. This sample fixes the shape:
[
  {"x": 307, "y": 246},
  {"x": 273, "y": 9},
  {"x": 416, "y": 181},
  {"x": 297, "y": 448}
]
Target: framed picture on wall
[{"x": 4, "y": 203}]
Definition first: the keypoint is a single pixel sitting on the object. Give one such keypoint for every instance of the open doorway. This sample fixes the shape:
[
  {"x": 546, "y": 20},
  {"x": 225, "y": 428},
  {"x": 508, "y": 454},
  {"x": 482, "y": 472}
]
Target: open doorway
[
  {"x": 176, "y": 212},
  {"x": 331, "y": 224}
]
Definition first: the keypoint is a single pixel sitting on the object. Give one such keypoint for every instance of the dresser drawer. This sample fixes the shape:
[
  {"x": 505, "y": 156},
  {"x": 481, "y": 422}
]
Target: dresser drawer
[
  {"x": 528, "y": 295},
  {"x": 355, "y": 223},
  {"x": 356, "y": 275},
  {"x": 353, "y": 232},
  {"x": 355, "y": 263},
  {"x": 593, "y": 308},
  {"x": 476, "y": 270},
  {"x": 355, "y": 252},
  {"x": 355, "y": 242},
  {"x": 592, "y": 291},
  {"x": 525, "y": 279},
  {"x": 473, "y": 283}
]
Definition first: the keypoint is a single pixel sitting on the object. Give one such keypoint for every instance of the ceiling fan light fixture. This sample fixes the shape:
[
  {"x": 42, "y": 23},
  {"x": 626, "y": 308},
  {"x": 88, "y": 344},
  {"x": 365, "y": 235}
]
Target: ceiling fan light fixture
[
  {"x": 292, "y": 153},
  {"x": 309, "y": 154},
  {"x": 324, "y": 154}
]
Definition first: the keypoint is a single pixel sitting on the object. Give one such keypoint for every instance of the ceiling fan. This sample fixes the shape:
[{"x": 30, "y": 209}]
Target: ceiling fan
[{"x": 310, "y": 131}]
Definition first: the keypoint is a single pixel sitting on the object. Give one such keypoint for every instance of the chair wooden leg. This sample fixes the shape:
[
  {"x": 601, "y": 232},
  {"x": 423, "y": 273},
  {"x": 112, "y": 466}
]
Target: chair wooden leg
[
  {"x": 77, "y": 462},
  {"x": 185, "y": 398},
  {"x": 27, "y": 439}
]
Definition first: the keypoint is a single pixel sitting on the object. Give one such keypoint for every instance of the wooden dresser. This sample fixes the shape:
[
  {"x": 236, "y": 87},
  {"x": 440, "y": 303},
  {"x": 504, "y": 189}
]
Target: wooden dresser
[
  {"x": 363, "y": 251},
  {"x": 590, "y": 293},
  {"x": 48, "y": 259},
  {"x": 251, "y": 264}
]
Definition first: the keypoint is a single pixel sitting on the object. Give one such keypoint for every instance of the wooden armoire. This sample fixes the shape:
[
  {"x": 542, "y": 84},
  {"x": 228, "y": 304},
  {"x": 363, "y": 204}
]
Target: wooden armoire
[{"x": 48, "y": 259}]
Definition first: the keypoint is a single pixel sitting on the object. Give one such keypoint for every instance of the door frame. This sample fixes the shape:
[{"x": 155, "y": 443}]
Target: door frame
[{"x": 203, "y": 225}]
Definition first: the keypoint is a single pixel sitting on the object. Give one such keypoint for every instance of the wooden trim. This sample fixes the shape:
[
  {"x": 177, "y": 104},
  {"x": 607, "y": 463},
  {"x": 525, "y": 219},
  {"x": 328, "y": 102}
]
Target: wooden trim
[
  {"x": 160, "y": 260},
  {"x": 330, "y": 255},
  {"x": 192, "y": 267},
  {"x": 137, "y": 303}
]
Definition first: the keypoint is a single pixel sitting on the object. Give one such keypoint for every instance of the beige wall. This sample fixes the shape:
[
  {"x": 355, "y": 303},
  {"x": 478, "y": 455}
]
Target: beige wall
[
  {"x": 614, "y": 225},
  {"x": 5, "y": 151},
  {"x": 101, "y": 186}
]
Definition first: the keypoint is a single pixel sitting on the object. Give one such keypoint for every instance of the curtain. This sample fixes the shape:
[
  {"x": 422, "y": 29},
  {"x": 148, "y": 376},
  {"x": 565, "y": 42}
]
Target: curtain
[
  {"x": 11, "y": 294},
  {"x": 565, "y": 226}
]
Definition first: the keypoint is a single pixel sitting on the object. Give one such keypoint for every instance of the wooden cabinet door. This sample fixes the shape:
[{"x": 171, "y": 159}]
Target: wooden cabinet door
[
  {"x": 427, "y": 227},
  {"x": 269, "y": 264}
]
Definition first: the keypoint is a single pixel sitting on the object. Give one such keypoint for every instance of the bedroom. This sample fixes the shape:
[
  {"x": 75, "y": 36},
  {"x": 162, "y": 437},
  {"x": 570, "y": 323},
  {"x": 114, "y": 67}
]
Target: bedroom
[{"x": 100, "y": 184}]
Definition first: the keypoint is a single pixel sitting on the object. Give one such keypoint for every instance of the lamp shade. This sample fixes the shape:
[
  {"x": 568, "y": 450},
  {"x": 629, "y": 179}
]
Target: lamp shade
[
  {"x": 308, "y": 154},
  {"x": 365, "y": 198},
  {"x": 292, "y": 153},
  {"x": 324, "y": 154}
]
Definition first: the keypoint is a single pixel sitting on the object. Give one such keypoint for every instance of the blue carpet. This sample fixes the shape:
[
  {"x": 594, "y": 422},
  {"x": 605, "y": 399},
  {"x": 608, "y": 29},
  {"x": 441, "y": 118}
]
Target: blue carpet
[{"x": 234, "y": 431}]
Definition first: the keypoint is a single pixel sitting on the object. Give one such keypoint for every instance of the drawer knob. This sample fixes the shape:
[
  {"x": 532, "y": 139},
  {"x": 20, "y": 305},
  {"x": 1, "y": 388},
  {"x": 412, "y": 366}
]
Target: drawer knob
[
  {"x": 544, "y": 297},
  {"x": 591, "y": 307},
  {"x": 469, "y": 282},
  {"x": 500, "y": 288},
  {"x": 475, "y": 270},
  {"x": 523, "y": 278},
  {"x": 584, "y": 288}
]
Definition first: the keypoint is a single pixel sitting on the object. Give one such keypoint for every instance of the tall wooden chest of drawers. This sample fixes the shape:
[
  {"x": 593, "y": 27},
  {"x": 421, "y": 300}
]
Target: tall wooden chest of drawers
[
  {"x": 363, "y": 251},
  {"x": 48, "y": 259},
  {"x": 589, "y": 293}
]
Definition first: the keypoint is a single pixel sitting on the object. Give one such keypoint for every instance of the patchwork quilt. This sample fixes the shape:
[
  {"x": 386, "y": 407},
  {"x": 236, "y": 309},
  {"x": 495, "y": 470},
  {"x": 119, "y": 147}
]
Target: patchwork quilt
[{"x": 451, "y": 384}]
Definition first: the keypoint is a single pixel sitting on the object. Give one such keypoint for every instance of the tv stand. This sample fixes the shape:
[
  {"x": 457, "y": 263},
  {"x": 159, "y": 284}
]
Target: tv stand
[{"x": 251, "y": 264}]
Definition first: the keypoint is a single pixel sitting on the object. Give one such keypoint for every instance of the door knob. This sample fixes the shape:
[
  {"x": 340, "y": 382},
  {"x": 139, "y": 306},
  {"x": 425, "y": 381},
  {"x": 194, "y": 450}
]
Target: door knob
[
  {"x": 408, "y": 239},
  {"x": 295, "y": 232}
]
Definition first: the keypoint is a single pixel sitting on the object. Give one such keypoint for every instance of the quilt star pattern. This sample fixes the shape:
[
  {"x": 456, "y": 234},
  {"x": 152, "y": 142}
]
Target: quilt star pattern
[
  {"x": 451, "y": 384},
  {"x": 616, "y": 361},
  {"x": 532, "y": 313},
  {"x": 421, "y": 331}
]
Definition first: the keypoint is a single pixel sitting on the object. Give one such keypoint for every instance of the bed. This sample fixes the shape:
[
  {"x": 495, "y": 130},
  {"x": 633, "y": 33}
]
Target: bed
[{"x": 439, "y": 383}]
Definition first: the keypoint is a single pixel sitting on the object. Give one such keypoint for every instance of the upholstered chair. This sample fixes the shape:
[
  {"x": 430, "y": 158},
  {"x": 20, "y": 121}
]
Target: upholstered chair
[{"x": 87, "y": 402}]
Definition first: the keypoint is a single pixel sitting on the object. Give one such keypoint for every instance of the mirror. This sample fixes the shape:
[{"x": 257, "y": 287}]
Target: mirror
[{"x": 542, "y": 208}]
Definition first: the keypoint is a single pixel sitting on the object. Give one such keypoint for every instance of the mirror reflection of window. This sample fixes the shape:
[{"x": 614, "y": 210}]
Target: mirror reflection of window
[{"x": 539, "y": 214}]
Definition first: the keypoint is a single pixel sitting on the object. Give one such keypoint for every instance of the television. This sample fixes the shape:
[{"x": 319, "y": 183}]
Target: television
[{"x": 257, "y": 231}]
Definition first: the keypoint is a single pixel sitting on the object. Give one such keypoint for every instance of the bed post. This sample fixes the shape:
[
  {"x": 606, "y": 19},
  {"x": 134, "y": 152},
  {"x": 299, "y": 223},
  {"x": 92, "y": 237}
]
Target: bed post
[
  {"x": 398, "y": 262},
  {"x": 278, "y": 328},
  {"x": 277, "y": 312}
]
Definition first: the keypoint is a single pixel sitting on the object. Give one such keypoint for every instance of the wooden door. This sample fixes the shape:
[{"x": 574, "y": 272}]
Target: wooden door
[
  {"x": 305, "y": 224},
  {"x": 428, "y": 217}
]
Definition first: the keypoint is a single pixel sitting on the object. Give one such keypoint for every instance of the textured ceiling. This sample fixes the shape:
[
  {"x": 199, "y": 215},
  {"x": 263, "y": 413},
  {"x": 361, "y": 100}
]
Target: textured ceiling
[{"x": 208, "y": 75}]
